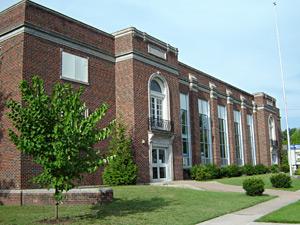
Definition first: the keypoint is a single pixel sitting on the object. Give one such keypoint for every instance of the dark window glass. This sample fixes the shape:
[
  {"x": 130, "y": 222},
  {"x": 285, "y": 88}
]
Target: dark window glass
[{"x": 155, "y": 86}]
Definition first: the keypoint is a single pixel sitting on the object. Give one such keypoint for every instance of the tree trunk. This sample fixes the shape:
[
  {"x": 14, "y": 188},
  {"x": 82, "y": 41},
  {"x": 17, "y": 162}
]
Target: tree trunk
[
  {"x": 56, "y": 204},
  {"x": 56, "y": 210}
]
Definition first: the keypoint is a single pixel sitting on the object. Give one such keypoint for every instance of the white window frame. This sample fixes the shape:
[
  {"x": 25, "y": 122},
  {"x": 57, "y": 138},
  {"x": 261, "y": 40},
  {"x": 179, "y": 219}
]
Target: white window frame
[
  {"x": 76, "y": 63},
  {"x": 206, "y": 111},
  {"x": 224, "y": 117},
  {"x": 184, "y": 105},
  {"x": 237, "y": 118},
  {"x": 252, "y": 138}
]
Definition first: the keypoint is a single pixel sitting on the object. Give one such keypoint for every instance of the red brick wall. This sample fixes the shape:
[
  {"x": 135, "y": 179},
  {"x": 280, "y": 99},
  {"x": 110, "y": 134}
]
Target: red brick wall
[{"x": 11, "y": 72}]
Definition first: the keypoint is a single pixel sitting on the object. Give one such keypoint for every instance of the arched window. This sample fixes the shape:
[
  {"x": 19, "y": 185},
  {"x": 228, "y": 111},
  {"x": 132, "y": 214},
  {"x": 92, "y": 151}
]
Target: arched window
[
  {"x": 273, "y": 141},
  {"x": 159, "y": 103}
]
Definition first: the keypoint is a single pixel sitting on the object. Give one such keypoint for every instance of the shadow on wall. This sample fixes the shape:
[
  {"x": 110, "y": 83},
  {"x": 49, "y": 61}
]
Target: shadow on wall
[{"x": 3, "y": 98}]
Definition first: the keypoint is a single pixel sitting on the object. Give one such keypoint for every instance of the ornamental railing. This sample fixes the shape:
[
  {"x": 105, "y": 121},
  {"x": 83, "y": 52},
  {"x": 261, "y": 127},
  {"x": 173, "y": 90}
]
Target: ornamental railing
[{"x": 160, "y": 124}]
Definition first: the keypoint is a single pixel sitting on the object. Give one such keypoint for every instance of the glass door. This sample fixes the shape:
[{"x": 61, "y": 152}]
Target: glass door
[{"x": 159, "y": 164}]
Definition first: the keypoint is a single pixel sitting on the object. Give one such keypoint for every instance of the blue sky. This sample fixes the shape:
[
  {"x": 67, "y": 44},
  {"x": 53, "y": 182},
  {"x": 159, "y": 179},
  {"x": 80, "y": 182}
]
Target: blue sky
[{"x": 232, "y": 40}]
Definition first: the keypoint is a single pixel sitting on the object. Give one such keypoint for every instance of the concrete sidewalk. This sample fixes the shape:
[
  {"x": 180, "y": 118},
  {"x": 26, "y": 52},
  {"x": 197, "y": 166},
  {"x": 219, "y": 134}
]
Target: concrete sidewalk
[{"x": 245, "y": 216}]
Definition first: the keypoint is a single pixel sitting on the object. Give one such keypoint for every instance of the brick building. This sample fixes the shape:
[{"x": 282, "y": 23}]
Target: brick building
[{"x": 177, "y": 115}]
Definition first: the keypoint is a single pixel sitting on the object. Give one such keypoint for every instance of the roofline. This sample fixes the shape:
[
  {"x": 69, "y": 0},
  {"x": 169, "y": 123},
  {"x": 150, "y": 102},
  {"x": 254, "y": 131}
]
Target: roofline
[
  {"x": 135, "y": 32},
  {"x": 58, "y": 14},
  {"x": 214, "y": 78}
]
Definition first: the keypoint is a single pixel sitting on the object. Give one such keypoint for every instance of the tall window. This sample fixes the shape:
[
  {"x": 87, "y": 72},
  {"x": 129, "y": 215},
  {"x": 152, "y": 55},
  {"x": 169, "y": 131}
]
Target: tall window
[
  {"x": 238, "y": 138},
  {"x": 74, "y": 67},
  {"x": 224, "y": 149},
  {"x": 185, "y": 130},
  {"x": 273, "y": 141},
  {"x": 205, "y": 132},
  {"x": 158, "y": 104},
  {"x": 251, "y": 140}
]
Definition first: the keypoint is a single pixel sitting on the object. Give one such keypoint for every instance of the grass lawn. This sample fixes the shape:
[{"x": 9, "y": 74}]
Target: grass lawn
[
  {"x": 287, "y": 214},
  {"x": 266, "y": 178},
  {"x": 142, "y": 205}
]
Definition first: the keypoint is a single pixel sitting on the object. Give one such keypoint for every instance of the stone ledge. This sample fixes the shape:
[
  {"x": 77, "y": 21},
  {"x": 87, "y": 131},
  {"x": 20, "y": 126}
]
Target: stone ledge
[{"x": 45, "y": 197}]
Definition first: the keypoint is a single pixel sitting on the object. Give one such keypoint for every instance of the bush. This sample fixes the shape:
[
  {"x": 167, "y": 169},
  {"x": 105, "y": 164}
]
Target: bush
[
  {"x": 274, "y": 169},
  {"x": 200, "y": 172},
  {"x": 214, "y": 171},
  {"x": 248, "y": 170},
  {"x": 261, "y": 169},
  {"x": 121, "y": 170},
  {"x": 284, "y": 167},
  {"x": 231, "y": 171},
  {"x": 205, "y": 172},
  {"x": 254, "y": 186},
  {"x": 297, "y": 172},
  {"x": 281, "y": 180}
]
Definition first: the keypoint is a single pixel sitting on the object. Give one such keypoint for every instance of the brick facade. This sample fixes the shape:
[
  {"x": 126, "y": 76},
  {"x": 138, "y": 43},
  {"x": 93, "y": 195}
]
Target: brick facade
[{"x": 120, "y": 67}]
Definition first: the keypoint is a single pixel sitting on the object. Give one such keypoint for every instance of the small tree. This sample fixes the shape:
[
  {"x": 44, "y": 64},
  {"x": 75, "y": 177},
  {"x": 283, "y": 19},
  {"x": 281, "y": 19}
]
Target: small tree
[
  {"x": 122, "y": 170},
  {"x": 55, "y": 133}
]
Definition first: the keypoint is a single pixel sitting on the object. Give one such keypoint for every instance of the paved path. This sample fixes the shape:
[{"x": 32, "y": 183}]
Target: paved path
[{"x": 245, "y": 216}]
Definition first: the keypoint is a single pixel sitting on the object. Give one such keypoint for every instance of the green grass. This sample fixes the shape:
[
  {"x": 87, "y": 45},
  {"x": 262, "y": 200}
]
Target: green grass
[
  {"x": 287, "y": 214},
  {"x": 266, "y": 178},
  {"x": 142, "y": 205}
]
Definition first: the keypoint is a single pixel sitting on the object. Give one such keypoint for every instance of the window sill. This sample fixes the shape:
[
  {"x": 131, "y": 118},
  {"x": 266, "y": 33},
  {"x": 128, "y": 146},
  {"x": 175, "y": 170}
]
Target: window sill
[{"x": 73, "y": 80}]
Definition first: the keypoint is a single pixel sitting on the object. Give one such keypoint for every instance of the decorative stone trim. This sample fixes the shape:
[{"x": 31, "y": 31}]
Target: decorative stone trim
[
  {"x": 213, "y": 90},
  {"x": 193, "y": 83},
  {"x": 254, "y": 106},
  {"x": 243, "y": 102},
  {"x": 229, "y": 96}
]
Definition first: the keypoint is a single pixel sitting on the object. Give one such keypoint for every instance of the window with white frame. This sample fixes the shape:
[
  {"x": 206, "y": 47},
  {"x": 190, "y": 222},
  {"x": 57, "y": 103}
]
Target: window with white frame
[
  {"x": 273, "y": 141},
  {"x": 185, "y": 130},
  {"x": 238, "y": 138},
  {"x": 251, "y": 139},
  {"x": 223, "y": 135},
  {"x": 205, "y": 132},
  {"x": 74, "y": 67}
]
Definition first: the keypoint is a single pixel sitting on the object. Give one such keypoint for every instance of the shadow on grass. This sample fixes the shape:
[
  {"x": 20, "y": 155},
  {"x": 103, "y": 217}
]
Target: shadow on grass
[{"x": 120, "y": 208}]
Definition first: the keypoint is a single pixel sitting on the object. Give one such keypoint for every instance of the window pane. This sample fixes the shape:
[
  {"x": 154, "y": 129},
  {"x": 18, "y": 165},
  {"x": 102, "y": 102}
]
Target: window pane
[
  {"x": 162, "y": 156},
  {"x": 154, "y": 156},
  {"x": 154, "y": 173},
  {"x": 155, "y": 86},
  {"x": 81, "y": 68},
  {"x": 162, "y": 172},
  {"x": 68, "y": 65}
]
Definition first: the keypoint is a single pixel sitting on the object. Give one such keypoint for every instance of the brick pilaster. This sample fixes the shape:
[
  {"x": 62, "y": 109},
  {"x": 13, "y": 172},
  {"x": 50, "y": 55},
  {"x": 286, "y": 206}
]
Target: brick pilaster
[
  {"x": 245, "y": 135},
  {"x": 230, "y": 122},
  {"x": 214, "y": 124}
]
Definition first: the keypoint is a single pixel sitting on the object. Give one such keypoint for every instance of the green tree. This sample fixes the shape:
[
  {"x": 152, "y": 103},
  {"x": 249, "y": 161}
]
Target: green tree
[
  {"x": 295, "y": 137},
  {"x": 53, "y": 130},
  {"x": 284, "y": 135},
  {"x": 122, "y": 170}
]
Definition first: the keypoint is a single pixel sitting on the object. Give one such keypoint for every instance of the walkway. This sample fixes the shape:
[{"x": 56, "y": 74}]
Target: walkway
[{"x": 245, "y": 216}]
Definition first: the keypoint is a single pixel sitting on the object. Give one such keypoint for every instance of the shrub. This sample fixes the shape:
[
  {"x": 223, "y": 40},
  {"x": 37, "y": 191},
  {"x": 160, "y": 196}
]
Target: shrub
[
  {"x": 274, "y": 169},
  {"x": 284, "y": 167},
  {"x": 281, "y": 180},
  {"x": 253, "y": 186},
  {"x": 261, "y": 169},
  {"x": 214, "y": 171},
  {"x": 297, "y": 172},
  {"x": 200, "y": 172},
  {"x": 248, "y": 169},
  {"x": 121, "y": 170},
  {"x": 205, "y": 172},
  {"x": 231, "y": 171}
]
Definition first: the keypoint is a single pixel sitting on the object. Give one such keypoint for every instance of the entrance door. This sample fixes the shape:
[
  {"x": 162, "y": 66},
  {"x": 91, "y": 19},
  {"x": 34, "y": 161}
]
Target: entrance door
[{"x": 160, "y": 161}]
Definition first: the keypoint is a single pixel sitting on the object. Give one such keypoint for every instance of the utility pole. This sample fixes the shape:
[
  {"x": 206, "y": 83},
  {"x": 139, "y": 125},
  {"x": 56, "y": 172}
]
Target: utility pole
[{"x": 283, "y": 87}]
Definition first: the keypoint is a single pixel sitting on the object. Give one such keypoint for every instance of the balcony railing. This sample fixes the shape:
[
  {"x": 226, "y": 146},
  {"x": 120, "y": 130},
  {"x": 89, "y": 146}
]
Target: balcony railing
[
  {"x": 274, "y": 143},
  {"x": 160, "y": 124}
]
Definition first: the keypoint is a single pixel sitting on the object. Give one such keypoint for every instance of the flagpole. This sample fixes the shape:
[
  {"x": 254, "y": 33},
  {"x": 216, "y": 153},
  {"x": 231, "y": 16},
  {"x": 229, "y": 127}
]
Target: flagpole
[{"x": 283, "y": 87}]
